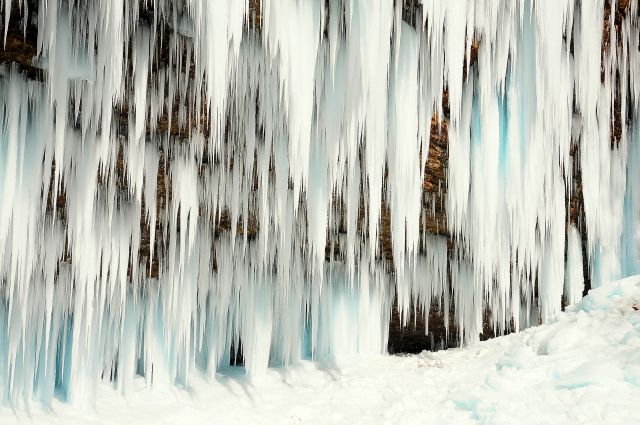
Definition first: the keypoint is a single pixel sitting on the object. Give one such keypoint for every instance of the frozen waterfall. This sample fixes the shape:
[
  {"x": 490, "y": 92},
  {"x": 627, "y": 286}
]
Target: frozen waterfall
[{"x": 185, "y": 180}]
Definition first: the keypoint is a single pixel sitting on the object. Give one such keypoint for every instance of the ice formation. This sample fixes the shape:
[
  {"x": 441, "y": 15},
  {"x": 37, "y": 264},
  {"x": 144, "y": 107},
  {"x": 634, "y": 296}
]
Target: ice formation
[{"x": 188, "y": 179}]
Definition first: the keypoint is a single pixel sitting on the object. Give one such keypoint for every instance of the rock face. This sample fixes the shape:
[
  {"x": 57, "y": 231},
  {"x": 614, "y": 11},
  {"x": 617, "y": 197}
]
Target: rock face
[
  {"x": 267, "y": 180},
  {"x": 20, "y": 42}
]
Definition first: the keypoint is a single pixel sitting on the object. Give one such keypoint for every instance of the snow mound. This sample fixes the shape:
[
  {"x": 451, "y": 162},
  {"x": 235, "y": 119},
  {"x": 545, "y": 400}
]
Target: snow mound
[{"x": 582, "y": 368}]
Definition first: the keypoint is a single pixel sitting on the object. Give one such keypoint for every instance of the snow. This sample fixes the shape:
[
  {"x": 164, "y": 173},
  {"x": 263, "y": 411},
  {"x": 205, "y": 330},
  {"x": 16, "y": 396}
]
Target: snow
[{"x": 583, "y": 367}]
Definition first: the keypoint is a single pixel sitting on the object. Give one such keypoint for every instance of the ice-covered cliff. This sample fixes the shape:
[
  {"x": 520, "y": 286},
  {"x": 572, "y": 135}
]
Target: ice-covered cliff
[{"x": 182, "y": 180}]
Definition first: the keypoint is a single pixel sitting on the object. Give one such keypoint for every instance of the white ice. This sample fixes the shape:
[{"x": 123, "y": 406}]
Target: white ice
[
  {"x": 306, "y": 130},
  {"x": 582, "y": 367}
]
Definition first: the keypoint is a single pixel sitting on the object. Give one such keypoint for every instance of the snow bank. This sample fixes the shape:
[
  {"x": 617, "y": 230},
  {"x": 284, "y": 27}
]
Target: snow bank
[{"x": 583, "y": 368}]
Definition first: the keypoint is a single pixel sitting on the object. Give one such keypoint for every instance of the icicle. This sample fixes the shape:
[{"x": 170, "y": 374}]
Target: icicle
[{"x": 192, "y": 182}]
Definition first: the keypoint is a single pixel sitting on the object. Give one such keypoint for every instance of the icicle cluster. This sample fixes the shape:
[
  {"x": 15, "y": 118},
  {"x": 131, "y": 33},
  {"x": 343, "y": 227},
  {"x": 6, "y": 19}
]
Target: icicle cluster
[{"x": 193, "y": 178}]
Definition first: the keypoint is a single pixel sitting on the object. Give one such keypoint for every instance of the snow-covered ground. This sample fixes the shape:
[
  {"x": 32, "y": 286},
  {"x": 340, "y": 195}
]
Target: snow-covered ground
[{"x": 582, "y": 369}]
